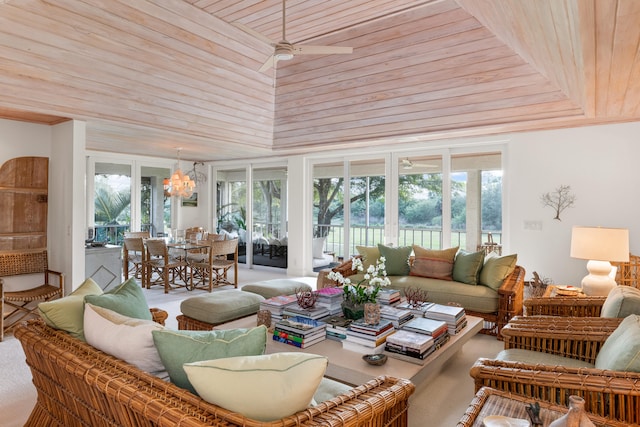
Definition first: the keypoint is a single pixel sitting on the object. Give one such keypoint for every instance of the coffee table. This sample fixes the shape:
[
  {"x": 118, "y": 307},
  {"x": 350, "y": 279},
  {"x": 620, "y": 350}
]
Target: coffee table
[{"x": 348, "y": 366}]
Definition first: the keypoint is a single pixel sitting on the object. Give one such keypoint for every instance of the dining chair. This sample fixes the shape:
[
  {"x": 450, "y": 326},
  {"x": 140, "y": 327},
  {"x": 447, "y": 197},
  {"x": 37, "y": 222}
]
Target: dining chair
[
  {"x": 133, "y": 258},
  {"x": 141, "y": 234},
  {"x": 166, "y": 267},
  {"x": 211, "y": 271}
]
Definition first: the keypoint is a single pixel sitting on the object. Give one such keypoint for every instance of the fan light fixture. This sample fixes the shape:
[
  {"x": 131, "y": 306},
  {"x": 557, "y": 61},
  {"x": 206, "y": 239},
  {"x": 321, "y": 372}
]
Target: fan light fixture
[{"x": 180, "y": 184}]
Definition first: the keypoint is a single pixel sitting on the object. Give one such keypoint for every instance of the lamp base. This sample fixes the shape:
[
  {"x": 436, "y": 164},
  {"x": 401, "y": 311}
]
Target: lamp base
[{"x": 598, "y": 282}]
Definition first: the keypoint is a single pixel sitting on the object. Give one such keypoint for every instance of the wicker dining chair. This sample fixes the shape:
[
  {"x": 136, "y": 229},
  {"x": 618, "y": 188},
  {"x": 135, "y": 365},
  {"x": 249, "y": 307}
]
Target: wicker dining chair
[
  {"x": 613, "y": 394},
  {"x": 163, "y": 265},
  {"x": 22, "y": 303},
  {"x": 134, "y": 255},
  {"x": 212, "y": 271}
]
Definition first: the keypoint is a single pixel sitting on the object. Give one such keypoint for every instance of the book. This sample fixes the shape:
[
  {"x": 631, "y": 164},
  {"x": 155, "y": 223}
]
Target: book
[
  {"x": 408, "y": 356},
  {"x": 444, "y": 312},
  {"x": 365, "y": 328},
  {"x": 315, "y": 312},
  {"x": 407, "y": 340},
  {"x": 304, "y": 344},
  {"x": 336, "y": 335},
  {"x": 338, "y": 322},
  {"x": 301, "y": 325},
  {"x": 369, "y": 340},
  {"x": 358, "y": 348},
  {"x": 398, "y": 316},
  {"x": 388, "y": 296},
  {"x": 418, "y": 311},
  {"x": 295, "y": 336},
  {"x": 426, "y": 326}
]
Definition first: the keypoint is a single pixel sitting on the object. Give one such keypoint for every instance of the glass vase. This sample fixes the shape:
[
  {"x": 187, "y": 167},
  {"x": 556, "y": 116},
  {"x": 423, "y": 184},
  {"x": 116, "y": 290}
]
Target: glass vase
[
  {"x": 371, "y": 313},
  {"x": 352, "y": 311}
]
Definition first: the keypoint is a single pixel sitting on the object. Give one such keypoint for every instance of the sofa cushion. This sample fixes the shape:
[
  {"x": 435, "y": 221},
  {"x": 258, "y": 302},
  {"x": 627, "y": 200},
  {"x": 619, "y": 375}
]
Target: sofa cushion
[
  {"x": 265, "y": 388},
  {"x": 328, "y": 389},
  {"x": 126, "y": 338},
  {"x": 621, "y": 350},
  {"x": 318, "y": 247},
  {"x": 179, "y": 347},
  {"x": 67, "y": 313},
  {"x": 432, "y": 267},
  {"x": 467, "y": 267},
  {"x": 446, "y": 254},
  {"x": 621, "y": 302},
  {"x": 538, "y": 357},
  {"x": 126, "y": 299},
  {"x": 496, "y": 269},
  {"x": 369, "y": 254},
  {"x": 396, "y": 259}
]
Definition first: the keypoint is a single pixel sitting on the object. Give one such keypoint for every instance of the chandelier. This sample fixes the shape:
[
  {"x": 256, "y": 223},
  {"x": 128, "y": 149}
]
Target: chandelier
[{"x": 180, "y": 184}]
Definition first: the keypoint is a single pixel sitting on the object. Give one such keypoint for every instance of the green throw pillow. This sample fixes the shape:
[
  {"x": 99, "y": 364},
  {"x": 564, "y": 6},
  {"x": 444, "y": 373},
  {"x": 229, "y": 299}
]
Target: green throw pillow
[
  {"x": 67, "y": 313},
  {"x": 396, "y": 259},
  {"x": 370, "y": 255},
  {"x": 447, "y": 254},
  {"x": 621, "y": 302},
  {"x": 467, "y": 266},
  {"x": 179, "y": 347},
  {"x": 126, "y": 299},
  {"x": 496, "y": 269},
  {"x": 621, "y": 351}
]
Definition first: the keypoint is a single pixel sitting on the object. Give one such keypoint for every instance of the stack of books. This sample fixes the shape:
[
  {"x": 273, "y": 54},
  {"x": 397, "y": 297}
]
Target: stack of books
[
  {"x": 276, "y": 305},
  {"x": 418, "y": 311},
  {"x": 331, "y": 298},
  {"x": 454, "y": 317},
  {"x": 410, "y": 346},
  {"x": 389, "y": 296},
  {"x": 367, "y": 339},
  {"x": 398, "y": 316},
  {"x": 301, "y": 332},
  {"x": 436, "y": 329},
  {"x": 316, "y": 312},
  {"x": 337, "y": 327}
]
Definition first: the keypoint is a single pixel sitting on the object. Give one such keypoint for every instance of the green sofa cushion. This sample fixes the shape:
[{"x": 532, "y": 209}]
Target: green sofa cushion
[
  {"x": 621, "y": 302},
  {"x": 467, "y": 267},
  {"x": 496, "y": 269},
  {"x": 222, "y": 306},
  {"x": 538, "y": 357},
  {"x": 396, "y": 259},
  {"x": 126, "y": 299},
  {"x": 369, "y": 254},
  {"x": 621, "y": 351}
]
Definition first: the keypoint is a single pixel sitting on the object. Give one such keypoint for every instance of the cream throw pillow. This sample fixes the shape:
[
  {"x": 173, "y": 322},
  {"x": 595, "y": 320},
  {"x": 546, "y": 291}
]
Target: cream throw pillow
[
  {"x": 126, "y": 338},
  {"x": 264, "y": 388}
]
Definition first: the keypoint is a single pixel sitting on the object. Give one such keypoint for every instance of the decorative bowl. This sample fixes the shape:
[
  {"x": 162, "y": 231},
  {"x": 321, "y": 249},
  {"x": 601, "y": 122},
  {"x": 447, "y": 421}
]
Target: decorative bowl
[{"x": 375, "y": 359}]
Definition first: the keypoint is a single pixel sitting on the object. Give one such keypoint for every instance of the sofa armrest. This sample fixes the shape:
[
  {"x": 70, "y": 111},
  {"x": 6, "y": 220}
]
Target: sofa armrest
[
  {"x": 564, "y": 306},
  {"x": 158, "y": 315},
  {"x": 345, "y": 269},
  {"x": 510, "y": 297},
  {"x": 577, "y": 338}
]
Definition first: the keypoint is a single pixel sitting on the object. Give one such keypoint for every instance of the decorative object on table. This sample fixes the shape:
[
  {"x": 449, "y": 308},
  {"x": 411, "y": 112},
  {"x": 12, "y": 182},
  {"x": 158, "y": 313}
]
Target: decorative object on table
[
  {"x": 306, "y": 299},
  {"x": 371, "y": 313},
  {"x": 576, "y": 417},
  {"x": 559, "y": 200},
  {"x": 599, "y": 245},
  {"x": 538, "y": 285},
  {"x": 365, "y": 290},
  {"x": 502, "y": 421},
  {"x": 416, "y": 297},
  {"x": 533, "y": 410},
  {"x": 264, "y": 318},
  {"x": 375, "y": 359}
]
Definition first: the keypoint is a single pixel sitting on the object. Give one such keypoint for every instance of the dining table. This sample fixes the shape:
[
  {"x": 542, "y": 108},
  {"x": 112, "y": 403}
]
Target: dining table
[{"x": 183, "y": 249}]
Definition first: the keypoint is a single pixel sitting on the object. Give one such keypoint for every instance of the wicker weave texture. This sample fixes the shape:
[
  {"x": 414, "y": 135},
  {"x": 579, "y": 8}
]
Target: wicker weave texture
[
  {"x": 15, "y": 263},
  {"x": 628, "y": 273},
  {"x": 79, "y": 385},
  {"x": 564, "y": 306}
]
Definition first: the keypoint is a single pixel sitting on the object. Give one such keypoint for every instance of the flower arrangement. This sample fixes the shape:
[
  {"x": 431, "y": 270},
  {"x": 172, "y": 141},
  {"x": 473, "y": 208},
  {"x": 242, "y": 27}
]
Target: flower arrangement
[{"x": 365, "y": 290}]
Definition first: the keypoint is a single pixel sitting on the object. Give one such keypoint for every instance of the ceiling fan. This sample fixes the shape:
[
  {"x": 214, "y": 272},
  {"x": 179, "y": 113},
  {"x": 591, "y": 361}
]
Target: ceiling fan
[
  {"x": 408, "y": 164},
  {"x": 284, "y": 50}
]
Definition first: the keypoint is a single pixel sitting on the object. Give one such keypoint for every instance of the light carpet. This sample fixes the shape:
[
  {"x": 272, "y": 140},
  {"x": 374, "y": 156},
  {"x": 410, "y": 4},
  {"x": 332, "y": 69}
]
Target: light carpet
[{"x": 440, "y": 402}]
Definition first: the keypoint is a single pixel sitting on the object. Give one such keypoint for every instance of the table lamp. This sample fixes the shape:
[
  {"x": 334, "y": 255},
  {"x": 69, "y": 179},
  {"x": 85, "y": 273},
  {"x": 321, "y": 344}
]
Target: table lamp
[{"x": 599, "y": 245}]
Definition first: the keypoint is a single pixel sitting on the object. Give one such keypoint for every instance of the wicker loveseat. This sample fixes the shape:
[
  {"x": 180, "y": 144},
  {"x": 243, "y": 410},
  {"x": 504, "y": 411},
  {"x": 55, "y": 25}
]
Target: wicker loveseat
[
  {"x": 614, "y": 394},
  {"x": 506, "y": 301},
  {"x": 80, "y": 385}
]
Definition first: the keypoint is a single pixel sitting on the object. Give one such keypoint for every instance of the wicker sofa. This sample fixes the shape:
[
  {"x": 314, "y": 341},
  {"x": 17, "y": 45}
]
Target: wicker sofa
[
  {"x": 80, "y": 385},
  {"x": 506, "y": 301},
  {"x": 613, "y": 394}
]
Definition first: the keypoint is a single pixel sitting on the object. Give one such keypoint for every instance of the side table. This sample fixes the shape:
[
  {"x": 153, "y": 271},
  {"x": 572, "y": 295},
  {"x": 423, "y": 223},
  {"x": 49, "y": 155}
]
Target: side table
[
  {"x": 489, "y": 401},
  {"x": 552, "y": 304}
]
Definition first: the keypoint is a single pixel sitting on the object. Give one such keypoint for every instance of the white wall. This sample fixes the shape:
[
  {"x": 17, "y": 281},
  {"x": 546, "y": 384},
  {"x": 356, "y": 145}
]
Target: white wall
[{"x": 599, "y": 163}]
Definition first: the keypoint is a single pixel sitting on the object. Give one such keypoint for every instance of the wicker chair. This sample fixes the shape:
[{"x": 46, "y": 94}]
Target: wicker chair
[
  {"x": 134, "y": 256},
  {"x": 79, "y": 385},
  {"x": 165, "y": 266},
  {"x": 22, "y": 303},
  {"x": 611, "y": 394},
  {"x": 628, "y": 273}
]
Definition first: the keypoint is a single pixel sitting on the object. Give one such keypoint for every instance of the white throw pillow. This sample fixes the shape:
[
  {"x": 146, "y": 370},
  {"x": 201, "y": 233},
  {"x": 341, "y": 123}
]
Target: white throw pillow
[
  {"x": 264, "y": 388},
  {"x": 318, "y": 247},
  {"x": 123, "y": 337}
]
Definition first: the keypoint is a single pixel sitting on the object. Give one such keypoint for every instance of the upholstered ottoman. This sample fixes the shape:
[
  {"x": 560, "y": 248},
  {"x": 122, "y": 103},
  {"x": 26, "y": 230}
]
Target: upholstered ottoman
[
  {"x": 203, "y": 312},
  {"x": 276, "y": 287}
]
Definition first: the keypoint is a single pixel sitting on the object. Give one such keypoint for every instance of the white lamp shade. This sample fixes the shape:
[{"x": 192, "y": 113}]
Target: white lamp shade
[{"x": 600, "y": 244}]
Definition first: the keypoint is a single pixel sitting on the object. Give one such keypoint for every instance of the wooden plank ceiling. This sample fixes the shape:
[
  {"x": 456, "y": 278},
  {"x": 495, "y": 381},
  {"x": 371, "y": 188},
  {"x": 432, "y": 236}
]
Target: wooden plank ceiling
[{"x": 150, "y": 76}]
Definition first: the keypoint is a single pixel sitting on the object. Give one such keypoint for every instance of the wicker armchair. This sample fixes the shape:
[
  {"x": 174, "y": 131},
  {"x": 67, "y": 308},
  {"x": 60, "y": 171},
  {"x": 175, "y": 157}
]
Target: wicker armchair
[{"x": 611, "y": 394}]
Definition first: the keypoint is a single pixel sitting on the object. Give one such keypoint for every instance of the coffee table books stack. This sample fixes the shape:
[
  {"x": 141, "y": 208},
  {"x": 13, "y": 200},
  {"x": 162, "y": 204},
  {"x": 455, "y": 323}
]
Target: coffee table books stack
[
  {"x": 455, "y": 317},
  {"x": 389, "y": 296},
  {"x": 337, "y": 327},
  {"x": 276, "y": 305},
  {"x": 409, "y": 346},
  {"x": 331, "y": 298},
  {"x": 418, "y": 311},
  {"x": 316, "y": 312},
  {"x": 436, "y": 329},
  {"x": 398, "y": 316},
  {"x": 300, "y": 331},
  {"x": 367, "y": 339}
]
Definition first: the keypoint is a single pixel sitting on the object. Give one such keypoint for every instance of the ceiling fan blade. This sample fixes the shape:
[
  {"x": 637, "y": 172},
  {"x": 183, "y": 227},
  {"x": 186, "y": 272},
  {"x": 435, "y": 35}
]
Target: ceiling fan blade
[
  {"x": 303, "y": 49},
  {"x": 267, "y": 64},
  {"x": 254, "y": 33}
]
